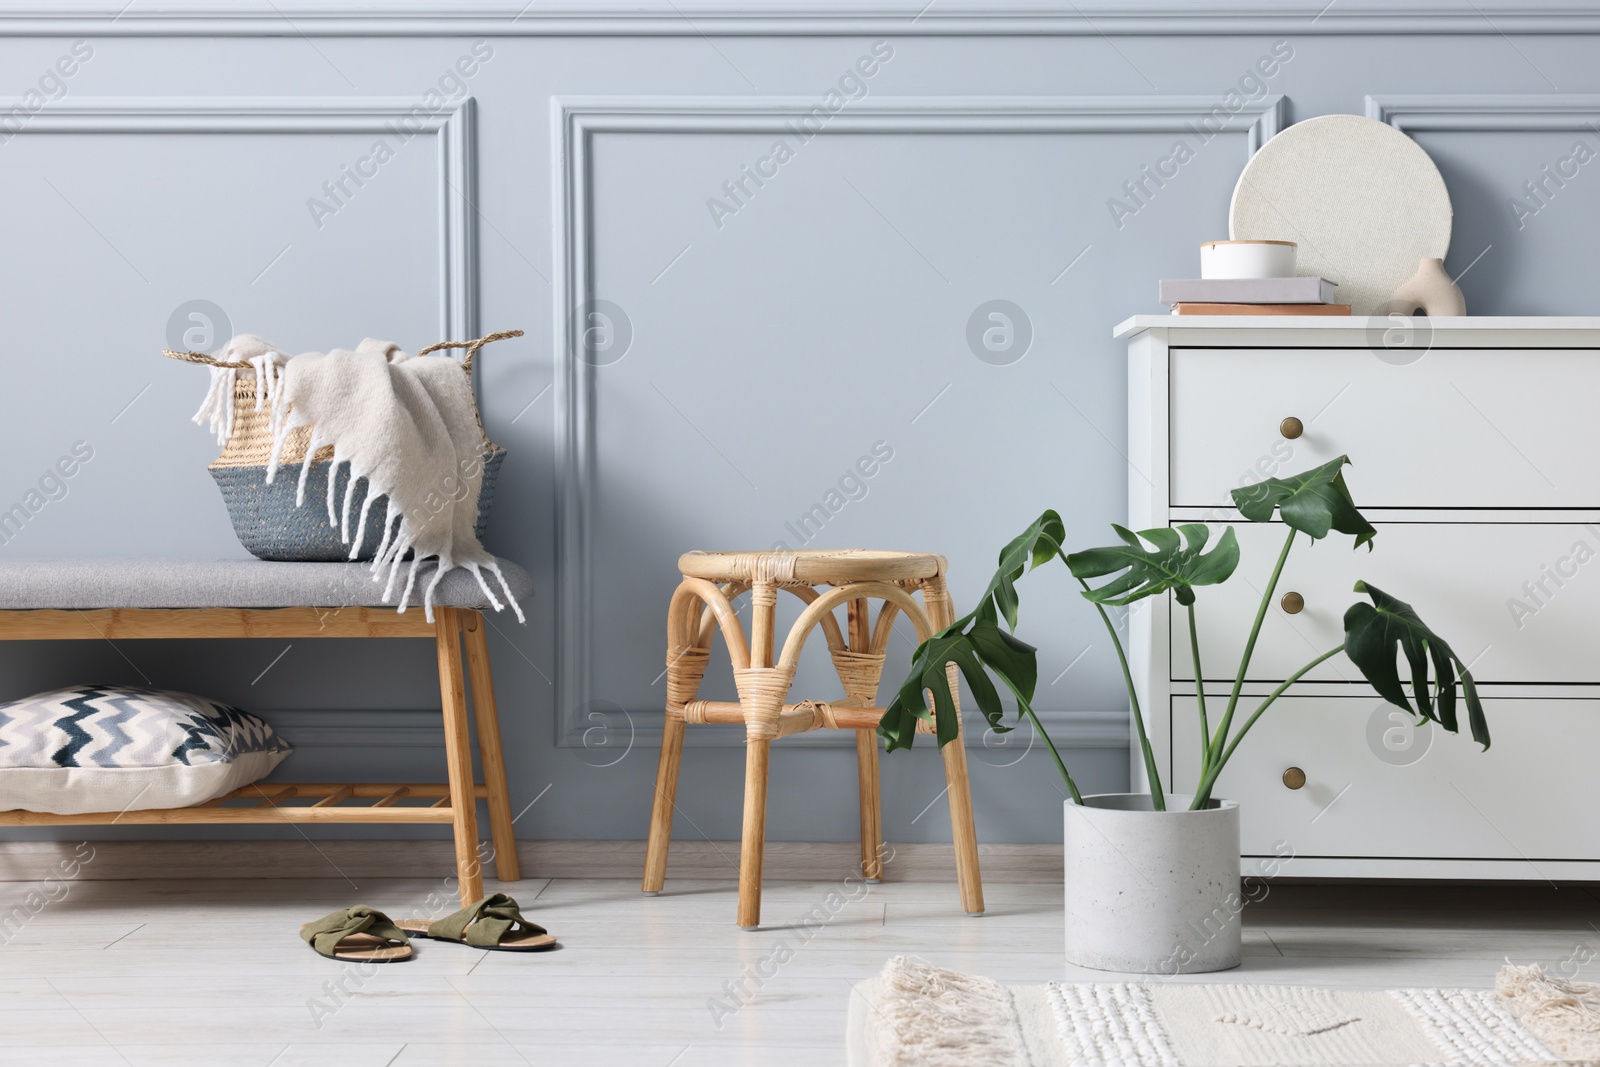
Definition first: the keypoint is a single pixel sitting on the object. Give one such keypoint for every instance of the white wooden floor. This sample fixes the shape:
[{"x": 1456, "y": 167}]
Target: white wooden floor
[{"x": 213, "y": 973}]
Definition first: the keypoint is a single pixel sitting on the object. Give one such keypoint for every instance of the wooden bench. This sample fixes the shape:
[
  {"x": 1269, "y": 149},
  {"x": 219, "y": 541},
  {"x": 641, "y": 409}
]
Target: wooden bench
[{"x": 132, "y": 600}]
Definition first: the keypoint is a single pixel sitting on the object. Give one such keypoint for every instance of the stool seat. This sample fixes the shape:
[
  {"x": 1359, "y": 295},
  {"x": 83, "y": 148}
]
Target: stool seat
[{"x": 812, "y": 566}]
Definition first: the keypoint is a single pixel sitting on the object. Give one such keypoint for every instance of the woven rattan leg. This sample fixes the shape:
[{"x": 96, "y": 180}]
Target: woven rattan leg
[
  {"x": 761, "y": 704},
  {"x": 962, "y": 829},
  {"x": 754, "y": 839},
  {"x": 490, "y": 755},
  {"x": 686, "y": 665},
  {"x": 458, "y": 752},
  {"x": 871, "y": 805},
  {"x": 655, "y": 857},
  {"x": 860, "y": 626}
]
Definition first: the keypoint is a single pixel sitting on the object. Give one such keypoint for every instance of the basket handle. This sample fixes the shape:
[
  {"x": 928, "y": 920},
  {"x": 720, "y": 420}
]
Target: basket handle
[
  {"x": 471, "y": 346},
  {"x": 202, "y": 358},
  {"x": 466, "y": 364}
]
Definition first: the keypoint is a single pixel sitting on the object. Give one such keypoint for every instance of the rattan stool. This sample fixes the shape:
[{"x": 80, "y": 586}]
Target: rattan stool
[{"x": 711, "y": 580}]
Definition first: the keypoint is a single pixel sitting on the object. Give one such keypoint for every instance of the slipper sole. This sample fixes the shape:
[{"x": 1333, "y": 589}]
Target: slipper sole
[
  {"x": 366, "y": 948},
  {"x": 527, "y": 943}
]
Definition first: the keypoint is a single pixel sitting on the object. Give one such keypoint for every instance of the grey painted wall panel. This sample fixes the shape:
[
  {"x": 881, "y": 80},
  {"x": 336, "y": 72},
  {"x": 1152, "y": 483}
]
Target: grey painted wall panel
[{"x": 852, "y": 273}]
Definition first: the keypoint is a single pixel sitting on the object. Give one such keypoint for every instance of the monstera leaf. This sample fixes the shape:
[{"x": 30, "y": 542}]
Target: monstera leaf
[
  {"x": 1374, "y": 636},
  {"x": 1039, "y": 543},
  {"x": 1313, "y": 502},
  {"x": 1177, "y": 562},
  {"x": 973, "y": 644},
  {"x": 979, "y": 646}
]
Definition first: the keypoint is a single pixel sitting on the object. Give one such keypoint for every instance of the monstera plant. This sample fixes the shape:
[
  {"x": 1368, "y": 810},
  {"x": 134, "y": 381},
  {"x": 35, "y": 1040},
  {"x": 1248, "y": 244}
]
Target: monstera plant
[{"x": 1311, "y": 505}]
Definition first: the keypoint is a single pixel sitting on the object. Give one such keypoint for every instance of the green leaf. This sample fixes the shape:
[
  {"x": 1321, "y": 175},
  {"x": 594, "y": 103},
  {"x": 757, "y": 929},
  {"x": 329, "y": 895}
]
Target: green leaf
[
  {"x": 984, "y": 645},
  {"x": 1376, "y": 634},
  {"x": 978, "y": 646},
  {"x": 1177, "y": 562},
  {"x": 974, "y": 643},
  {"x": 1038, "y": 544},
  {"x": 1313, "y": 502},
  {"x": 1014, "y": 660}
]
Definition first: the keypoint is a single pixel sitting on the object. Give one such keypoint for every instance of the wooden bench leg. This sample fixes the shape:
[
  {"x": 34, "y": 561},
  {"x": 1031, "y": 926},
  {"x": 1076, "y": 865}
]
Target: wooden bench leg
[
  {"x": 458, "y": 752},
  {"x": 490, "y": 755}
]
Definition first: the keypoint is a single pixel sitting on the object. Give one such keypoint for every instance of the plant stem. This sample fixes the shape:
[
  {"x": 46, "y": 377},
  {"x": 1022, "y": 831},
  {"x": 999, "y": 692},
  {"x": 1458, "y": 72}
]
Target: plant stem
[
  {"x": 1072, "y": 787},
  {"x": 1157, "y": 797},
  {"x": 1221, "y": 737},
  {"x": 1203, "y": 794},
  {"x": 1200, "y": 695}
]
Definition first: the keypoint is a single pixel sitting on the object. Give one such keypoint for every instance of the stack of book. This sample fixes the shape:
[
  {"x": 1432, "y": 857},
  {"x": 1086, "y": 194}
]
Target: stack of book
[{"x": 1251, "y": 296}]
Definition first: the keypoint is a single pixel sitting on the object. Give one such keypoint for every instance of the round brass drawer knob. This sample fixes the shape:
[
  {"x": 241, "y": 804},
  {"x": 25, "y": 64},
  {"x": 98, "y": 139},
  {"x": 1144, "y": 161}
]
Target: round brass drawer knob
[
  {"x": 1291, "y": 427},
  {"x": 1293, "y": 603},
  {"x": 1294, "y": 778}
]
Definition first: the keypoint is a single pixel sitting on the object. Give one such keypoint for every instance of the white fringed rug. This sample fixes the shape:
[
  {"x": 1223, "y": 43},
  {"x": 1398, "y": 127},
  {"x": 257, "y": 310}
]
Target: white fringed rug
[{"x": 918, "y": 1015}]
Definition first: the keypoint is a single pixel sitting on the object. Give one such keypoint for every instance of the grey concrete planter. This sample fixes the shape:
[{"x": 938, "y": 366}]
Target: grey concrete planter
[{"x": 1152, "y": 892}]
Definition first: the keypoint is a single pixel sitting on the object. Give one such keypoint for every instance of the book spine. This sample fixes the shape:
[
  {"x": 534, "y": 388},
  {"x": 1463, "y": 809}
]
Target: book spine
[{"x": 1197, "y": 308}]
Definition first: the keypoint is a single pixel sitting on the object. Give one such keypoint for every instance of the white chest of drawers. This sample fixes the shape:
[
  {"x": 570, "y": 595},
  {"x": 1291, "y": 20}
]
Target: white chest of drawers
[{"x": 1473, "y": 454}]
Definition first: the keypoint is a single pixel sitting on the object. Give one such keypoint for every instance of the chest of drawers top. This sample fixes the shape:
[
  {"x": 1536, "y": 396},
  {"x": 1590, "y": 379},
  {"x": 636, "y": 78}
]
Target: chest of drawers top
[{"x": 1359, "y": 331}]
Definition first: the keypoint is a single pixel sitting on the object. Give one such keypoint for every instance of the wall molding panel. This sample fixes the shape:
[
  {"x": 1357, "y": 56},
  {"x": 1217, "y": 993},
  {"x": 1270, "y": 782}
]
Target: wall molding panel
[
  {"x": 452, "y": 128},
  {"x": 575, "y": 121},
  {"x": 1487, "y": 112},
  {"x": 664, "y": 18},
  {"x": 561, "y": 153}
]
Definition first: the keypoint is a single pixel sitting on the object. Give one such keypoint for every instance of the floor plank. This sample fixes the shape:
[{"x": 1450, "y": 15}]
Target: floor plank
[{"x": 112, "y": 971}]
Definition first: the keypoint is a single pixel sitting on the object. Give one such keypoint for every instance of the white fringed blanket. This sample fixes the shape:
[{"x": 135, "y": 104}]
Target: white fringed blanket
[
  {"x": 407, "y": 425},
  {"x": 918, "y": 1015}
]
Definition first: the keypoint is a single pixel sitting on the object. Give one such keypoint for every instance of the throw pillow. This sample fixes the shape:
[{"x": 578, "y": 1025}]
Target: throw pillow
[{"x": 111, "y": 748}]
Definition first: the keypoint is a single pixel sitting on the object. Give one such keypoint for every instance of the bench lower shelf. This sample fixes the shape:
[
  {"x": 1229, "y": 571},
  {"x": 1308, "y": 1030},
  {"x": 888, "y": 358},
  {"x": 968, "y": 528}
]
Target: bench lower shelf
[
  {"x": 324, "y": 803},
  {"x": 270, "y": 803}
]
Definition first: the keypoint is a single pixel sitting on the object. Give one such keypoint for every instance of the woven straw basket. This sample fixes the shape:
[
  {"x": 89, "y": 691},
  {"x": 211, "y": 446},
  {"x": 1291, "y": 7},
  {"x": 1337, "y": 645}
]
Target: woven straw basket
[{"x": 264, "y": 515}]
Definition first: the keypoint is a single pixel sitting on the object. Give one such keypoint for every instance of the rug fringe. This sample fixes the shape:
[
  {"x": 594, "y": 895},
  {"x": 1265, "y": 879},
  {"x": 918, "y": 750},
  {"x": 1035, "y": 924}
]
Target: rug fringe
[
  {"x": 1563, "y": 1014},
  {"x": 931, "y": 1017}
]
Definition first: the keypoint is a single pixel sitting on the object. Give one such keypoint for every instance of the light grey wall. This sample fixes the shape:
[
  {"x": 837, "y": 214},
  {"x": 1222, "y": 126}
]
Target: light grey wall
[{"x": 770, "y": 348}]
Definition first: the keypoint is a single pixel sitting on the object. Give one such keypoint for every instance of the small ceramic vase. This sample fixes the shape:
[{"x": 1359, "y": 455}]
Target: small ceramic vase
[{"x": 1431, "y": 290}]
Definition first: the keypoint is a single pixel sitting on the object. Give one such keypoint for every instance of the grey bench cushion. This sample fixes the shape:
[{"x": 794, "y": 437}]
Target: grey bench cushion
[{"x": 253, "y": 583}]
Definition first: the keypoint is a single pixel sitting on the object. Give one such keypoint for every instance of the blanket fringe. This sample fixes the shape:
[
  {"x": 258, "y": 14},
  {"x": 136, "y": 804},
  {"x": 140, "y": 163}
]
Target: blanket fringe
[
  {"x": 216, "y": 410},
  {"x": 1564, "y": 1015}
]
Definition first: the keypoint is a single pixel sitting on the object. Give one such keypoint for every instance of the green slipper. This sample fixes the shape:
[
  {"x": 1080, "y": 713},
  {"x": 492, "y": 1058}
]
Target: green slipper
[
  {"x": 358, "y": 935},
  {"x": 493, "y": 923}
]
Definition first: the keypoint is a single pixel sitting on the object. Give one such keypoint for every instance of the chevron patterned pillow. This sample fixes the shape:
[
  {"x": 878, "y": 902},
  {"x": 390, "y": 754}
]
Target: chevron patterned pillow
[{"x": 113, "y": 748}]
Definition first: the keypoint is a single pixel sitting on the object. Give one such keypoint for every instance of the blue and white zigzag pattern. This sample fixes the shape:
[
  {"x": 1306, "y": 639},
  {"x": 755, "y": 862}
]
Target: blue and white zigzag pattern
[{"x": 124, "y": 726}]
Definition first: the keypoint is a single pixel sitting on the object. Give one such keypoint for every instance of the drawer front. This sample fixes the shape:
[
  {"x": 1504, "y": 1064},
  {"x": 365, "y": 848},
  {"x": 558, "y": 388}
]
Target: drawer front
[
  {"x": 1519, "y": 602},
  {"x": 1458, "y": 428},
  {"x": 1377, "y": 787}
]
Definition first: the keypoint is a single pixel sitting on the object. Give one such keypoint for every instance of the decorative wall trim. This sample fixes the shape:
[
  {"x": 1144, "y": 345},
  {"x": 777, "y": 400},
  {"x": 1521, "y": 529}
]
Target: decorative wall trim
[
  {"x": 358, "y": 728},
  {"x": 574, "y": 123},
  {"x": 504, "y": 18},
  {"x": 452, "y": 127},
  {"x": 1488, "y": 112}
]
